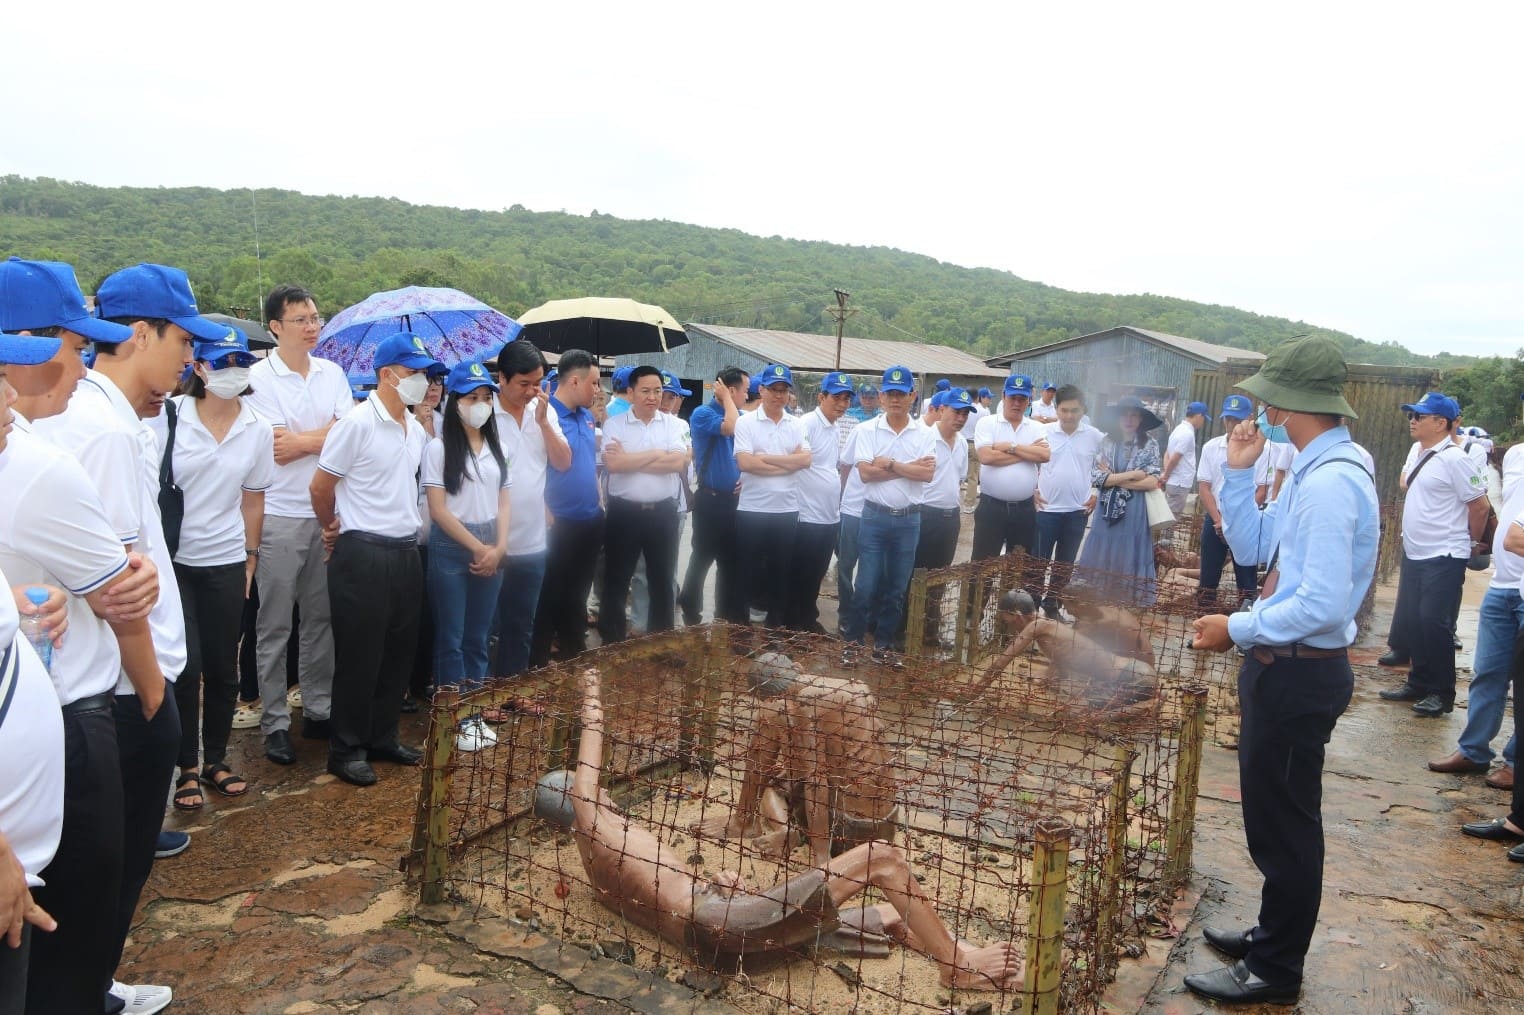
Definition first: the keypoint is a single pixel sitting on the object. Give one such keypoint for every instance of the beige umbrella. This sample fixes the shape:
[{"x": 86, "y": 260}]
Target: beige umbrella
[{"x": 603, "y": 325}]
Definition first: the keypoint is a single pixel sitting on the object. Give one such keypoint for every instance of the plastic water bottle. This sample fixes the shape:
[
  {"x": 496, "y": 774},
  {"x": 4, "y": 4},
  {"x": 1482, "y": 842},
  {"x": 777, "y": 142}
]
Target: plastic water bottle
[{"x": 31, "y": 626}]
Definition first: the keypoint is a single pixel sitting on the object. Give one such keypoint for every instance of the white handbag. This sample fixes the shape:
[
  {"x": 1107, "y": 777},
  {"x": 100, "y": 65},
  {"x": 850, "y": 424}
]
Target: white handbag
[{"x": 1160, "y": 517}]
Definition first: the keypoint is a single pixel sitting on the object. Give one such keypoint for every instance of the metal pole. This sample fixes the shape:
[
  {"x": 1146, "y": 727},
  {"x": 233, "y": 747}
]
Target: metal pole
[
  {"x": 841, "y": 314},
  {"x": 1045, "y": 922}
]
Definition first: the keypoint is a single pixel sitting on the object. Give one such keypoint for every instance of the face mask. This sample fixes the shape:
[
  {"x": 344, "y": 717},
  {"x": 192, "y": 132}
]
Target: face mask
[
  {"x": 412, "y": 388},
  {"x": 474, "y": 414},
  {"x": 228, "y": 383},
  {"x": 1275, "y": 434}
]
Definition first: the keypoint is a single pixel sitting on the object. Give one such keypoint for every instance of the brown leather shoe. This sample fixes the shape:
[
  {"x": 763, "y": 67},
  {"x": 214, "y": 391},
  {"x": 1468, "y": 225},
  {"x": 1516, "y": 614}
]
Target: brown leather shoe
[
  {"x": 1501, "y": 779},
  {"x": 1457, "y": 764}
]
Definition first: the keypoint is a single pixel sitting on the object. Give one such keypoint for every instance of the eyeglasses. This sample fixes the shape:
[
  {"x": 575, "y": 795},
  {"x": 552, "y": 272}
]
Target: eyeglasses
[
  {"x": 1414, "y": 417},
  {"x": 315, "y": 321}
]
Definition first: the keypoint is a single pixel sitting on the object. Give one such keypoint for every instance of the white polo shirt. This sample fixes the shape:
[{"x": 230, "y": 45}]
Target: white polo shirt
[
  {"x": 284, "y": 398},
  {"x": 877, "y": 439},
  {"x": 1182, "y": 442},
  {"x": 31, "y": 749},
  {"x": 820, "y": 484},
  {"x": 975, "y": 415},
  {"x": 1507, "y": 568},
  {"x": 1064, "y": 478},
  {"x": 1017, "y": 481},
  {"x": 758, "y": 435},
  {"x": 1265, "y": 465},
  {"x": 120, "y": 454},
  {"x": 1434, "y": 522},
  {"x": 952, "y": 469},
  {"x": 663, "y": 433},
  {"x": 54, "y": 531},
  {"x": 376, "y": 460},
  {"x": 214, "y": 477},
  {"x": 481, "y": 483},
  {"x": 1045, "y": 413},
  {"x": 855, "y": 490},
  {"x": 1214, "y": 455},
  {"x": 524, "y": 447}
]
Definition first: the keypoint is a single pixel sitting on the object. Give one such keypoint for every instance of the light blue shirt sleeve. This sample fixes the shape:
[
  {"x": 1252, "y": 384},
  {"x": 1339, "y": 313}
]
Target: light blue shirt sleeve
[{"x": 1248, "y": 531}]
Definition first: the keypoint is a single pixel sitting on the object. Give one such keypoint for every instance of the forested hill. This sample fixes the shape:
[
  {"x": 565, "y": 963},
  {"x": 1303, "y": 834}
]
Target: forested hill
[{"x": 345, "y": 248}]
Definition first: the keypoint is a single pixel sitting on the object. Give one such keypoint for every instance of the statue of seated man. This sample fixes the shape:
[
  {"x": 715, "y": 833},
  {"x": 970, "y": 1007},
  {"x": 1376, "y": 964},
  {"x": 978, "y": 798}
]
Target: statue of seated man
[
  {"x": 720, "y": 919},
  {"x": 816, "y": 759}
]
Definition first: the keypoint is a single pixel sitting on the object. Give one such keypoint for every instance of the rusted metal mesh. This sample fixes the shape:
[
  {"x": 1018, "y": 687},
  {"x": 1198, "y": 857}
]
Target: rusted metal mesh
[{"x": 973, "y": 760}]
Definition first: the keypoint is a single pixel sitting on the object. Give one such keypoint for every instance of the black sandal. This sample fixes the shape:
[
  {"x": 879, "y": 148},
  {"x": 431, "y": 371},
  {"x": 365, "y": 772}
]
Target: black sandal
[
  {"x": 219, "y": 775},
  {"x": 187, "y": 787}
]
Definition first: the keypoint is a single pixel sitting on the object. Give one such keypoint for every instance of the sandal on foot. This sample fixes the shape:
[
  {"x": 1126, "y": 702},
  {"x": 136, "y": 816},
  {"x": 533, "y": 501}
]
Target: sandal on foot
[
  {"x": 188, "y": 795},
  {"x": 221, "y": 776}
]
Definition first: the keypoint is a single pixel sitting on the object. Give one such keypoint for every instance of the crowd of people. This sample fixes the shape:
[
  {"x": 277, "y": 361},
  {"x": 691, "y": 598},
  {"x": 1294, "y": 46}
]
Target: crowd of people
[{"x": 447, "y": 525}]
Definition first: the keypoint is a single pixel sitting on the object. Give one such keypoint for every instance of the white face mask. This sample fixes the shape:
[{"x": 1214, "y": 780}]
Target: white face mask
[
  {"x": 227, "y": 383},
  {"x": 412, "y": 388},
  {"x": 474, "y": 414}
]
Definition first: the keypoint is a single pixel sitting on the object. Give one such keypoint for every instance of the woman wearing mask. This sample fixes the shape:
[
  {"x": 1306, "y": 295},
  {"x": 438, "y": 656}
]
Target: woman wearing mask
[
  {"x": 1118, "y": 557},
  {"x": 466, "y": 479},
  {"x": 222, "y": 458}
]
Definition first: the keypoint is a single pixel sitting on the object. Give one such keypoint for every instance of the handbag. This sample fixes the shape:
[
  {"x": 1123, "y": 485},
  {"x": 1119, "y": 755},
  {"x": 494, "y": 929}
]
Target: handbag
[
  {"x": 1160, "y": 517},
  {"x": 171, "y": 497}
]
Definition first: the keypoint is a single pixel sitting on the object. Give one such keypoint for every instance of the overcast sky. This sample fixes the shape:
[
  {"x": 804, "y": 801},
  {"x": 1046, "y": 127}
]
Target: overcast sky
[{"x": 1357, "y": 166}]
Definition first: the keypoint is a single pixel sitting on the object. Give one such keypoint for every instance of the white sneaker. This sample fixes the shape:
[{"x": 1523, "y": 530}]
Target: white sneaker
[
  {"x": 142, "y": 998},
  {"x": 474, "y": 735},
  {"x": 246, "y": 716}
]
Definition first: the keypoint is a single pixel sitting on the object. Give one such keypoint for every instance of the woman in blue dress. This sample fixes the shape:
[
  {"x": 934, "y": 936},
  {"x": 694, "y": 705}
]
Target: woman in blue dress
[{"x": 1117, "y": 560}]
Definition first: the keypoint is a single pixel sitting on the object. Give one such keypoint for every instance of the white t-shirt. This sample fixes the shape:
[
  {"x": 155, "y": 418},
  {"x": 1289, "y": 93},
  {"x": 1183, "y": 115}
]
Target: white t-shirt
[
  {"x": 524, "y": 447},
  {"x": 284, "y": 398},
  {"x": 1513, "y": 469},
  {"x": 1507, "y": 568},
  {"x": 664, "y": 433},
  {"x": 1434, "y": 515},
  {"x": 1182, "y": 442},
  {"x": 31, "y": 749},
  {"x": 820, "y": 484},
  {"x": 214, "y": 477},
  {"x": 1064, "y": 478},
  {"x": 975, "y": 415},
  {"x": 121, "y": 456},
  {"x": 1045, "y": 413},
  {"x": 1017, "y": 481},
  {"x": 758, "y": 435},
  {"x": 377, "y": 461},
  {"x": 853, "y": 493},
  {"x": 952, "y": 469},
  {"x": 877, "y": 439},
  {"x": 481, "y": 482}
]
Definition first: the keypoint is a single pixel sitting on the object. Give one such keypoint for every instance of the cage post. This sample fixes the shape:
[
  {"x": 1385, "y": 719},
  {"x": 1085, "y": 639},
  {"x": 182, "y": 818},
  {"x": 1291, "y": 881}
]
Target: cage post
[
  {"x": 1045, "y": 922},
  {"x": 1182, "y": 807},
  {"x": 713, "y": 659},
  {"x": 965, "y": 631},
  {"x": 915, "y": 615},
  {"x": 431, "y": 828},
  {"x": 1116, "y": 853}
]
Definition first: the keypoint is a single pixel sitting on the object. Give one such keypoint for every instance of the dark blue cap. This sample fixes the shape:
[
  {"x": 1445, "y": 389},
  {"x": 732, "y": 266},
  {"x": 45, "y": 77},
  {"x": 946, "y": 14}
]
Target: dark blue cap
[
  {"x": 232, "y": 345},
  {"x": 147, "y": 291},
  {"x": 404, "y": 349},
  {"x": 45, "y": 294},
  {"x": 1435, "y": 404}
]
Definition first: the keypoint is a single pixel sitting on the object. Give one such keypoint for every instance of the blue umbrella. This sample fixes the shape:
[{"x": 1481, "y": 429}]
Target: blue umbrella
[{"x": 457, "y": 328}]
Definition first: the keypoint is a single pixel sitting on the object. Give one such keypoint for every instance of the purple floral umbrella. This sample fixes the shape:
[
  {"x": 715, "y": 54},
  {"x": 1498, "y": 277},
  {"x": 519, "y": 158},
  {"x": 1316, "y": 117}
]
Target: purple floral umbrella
[{"x": 457, "y": 328}]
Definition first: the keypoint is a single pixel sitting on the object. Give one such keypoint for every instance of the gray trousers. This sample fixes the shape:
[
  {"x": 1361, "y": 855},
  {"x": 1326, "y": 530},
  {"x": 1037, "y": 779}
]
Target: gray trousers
[{"x": 292, "y": 572}]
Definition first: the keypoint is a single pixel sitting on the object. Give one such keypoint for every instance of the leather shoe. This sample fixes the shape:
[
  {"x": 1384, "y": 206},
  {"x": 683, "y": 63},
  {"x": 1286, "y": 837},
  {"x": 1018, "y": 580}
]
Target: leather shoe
[
  {"x": 1517, "y": 853},
  {"x": 400, "y": 754},
  {"x": 1493, "y": 831},
  {"x": 278, "y": 748},
  {"x": 1457, "y": 763},
  {"x": 410, "y": 705},
  {"x": 315, "y": 729},
  {"x": 1502, "y": 778},
  {"x": 1407, "y": 692},
  {"x": 1236, "y": 985},
  {"x": 357, "y": 772},
  {"x": 1232, "y": 943},
  {"x": 1431, "y": 706},
  {"x": 1394, "y": 658}
]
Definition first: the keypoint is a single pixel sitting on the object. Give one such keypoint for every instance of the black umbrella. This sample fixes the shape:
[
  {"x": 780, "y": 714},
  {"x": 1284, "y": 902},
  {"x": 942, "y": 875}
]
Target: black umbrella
[
  {"x": 603, "y": 326},
  {"x": 255, "y": 332}
]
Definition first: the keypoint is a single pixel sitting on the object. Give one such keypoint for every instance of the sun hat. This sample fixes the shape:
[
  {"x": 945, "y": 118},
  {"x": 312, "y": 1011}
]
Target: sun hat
[{"x": 1303, "y": 375}]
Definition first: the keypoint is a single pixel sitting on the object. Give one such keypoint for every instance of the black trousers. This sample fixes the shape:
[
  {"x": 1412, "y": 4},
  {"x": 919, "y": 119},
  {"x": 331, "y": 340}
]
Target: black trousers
[
  {"x": 813, "y": 546},
  {"x": 147, "y": 749},
  {"x": 374, "y": 602},
  {"x": 70, "y": 969},
  {"x": 1003, "y": 526},
  {"x": 714, "y": 542},
  {"x": 13, "y": 963},
  {"x": 632, "y": 531},
  {"x": 765, "y": 543},
  {"x": 1288, "y": 713},
  {"x": 571, "y": 554},
  {"x": 206, "y": 693},
  {"x": 1423, "y": 621},
  {"x": 421, "y": 679}
]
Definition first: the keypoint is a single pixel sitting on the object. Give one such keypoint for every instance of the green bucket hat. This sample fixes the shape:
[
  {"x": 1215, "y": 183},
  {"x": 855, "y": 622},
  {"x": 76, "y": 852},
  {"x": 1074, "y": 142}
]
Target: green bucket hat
[{"x": 1303, "y": 375}]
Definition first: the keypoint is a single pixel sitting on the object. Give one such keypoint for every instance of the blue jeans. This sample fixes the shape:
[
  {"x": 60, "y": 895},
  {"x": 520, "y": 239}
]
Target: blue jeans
[
  {"x": 463, "y": 608},
  {"x": 885, "y": 557},
  {"x": 846, "y": 569},
  {"x": 516, "y": 605},
  {"x": 1060, "y": 531},
  {"x": 1502, "y": 621}
]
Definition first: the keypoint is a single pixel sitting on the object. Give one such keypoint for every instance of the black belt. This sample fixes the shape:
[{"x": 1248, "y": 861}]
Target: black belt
[
  {"x": 1005, "y": 504},
  {"x": 390, "y": 542},
  {"x": 670, "y": 504},
  {"x": 710, "y": 491},
  {"x": 98, "y": 702},
  {"x": 940, "y": 512},
  {"x": 879, "y": 509},
  {"x": 1268, "y": 654}
]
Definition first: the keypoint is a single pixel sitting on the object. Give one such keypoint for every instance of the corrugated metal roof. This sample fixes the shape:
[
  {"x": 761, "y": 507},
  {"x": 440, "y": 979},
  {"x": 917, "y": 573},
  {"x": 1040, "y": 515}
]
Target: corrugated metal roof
[
  {"x": 858, "y": 355},
  {"x": 1204, "y": 351}
]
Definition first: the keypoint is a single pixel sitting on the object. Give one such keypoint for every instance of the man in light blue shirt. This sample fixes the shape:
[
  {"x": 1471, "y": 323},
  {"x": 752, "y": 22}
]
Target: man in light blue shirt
[{"x": 1320, "y": 540}]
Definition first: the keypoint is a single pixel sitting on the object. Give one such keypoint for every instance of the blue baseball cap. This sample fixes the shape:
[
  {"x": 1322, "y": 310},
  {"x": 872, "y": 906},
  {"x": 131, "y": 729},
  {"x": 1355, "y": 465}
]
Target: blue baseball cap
[
  {"x": 956, "y": 399},
  {"x": 465, "y": 378},
  {"x": 45, "y": 294},
  {"x": 1049, "y": 386},
  {"x": 774, "y": 373},
  {"x": 1197, "y": 409},
  {"x": 836, "y": 383},
  {"x": 232, "y": 345},
  {"x": 987, "y": 393},
  {"x": 1434, "y": 404},
  {"x": 753, "y": 387},
  {"x": 868, "y": 389},
  {"x": 147, "y": 291},
  {"x": 548, "y": 382},
  {"x": 944, "y": 384},
  {"x": 897, "y": 379},
  {"x": 1237, "y": 407},
  {"x": 27, "y": 350},
  {"x": 1018, "y": 384},
  {"x": 620, "y": 378},
  {"x": 670, "y": 385},
  {"x": 404, "y": 349}
]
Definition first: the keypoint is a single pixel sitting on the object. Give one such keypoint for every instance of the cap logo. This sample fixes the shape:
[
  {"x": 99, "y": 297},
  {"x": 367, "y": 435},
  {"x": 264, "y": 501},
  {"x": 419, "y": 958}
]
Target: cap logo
[
  {"x": 418, "y": 344},
  {"x": 476, "y": 369},
  {"x": 777, "y": 371},
  {"x": 894, "y": 375}
]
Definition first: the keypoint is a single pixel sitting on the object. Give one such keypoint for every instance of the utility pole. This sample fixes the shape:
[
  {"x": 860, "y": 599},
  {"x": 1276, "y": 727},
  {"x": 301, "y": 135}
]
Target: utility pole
[{"x": 840, "y": 313}]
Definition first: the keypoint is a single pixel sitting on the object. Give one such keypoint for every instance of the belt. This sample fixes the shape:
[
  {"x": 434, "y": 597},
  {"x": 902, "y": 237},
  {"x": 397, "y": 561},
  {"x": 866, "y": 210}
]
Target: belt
[
  {"x": 927, "y": 509},
  {"x": 1006, "y": 504},
  {"x": 879, "y": 509},
  {"x": 390, "y": 542},
  {"x": 97, "y": 703},
  {"x": 670, "y": 504},
  {"x": 710, "y": 491},
  {"x": 1267, "y": 654}
]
